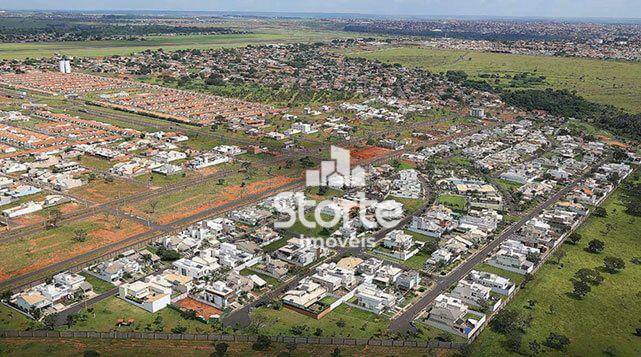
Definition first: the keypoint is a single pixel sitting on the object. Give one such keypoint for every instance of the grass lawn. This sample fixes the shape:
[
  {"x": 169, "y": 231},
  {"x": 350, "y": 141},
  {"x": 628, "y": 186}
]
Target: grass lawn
[
  {"x": 427, "y": 332},
  {"x": 607, "y": 316},
  {"x": 269, "y": 279},
  {"x": 99, "y": 286},
  {"x": 416, "y": 262},
  {"x": 315, "y": 194},
  {"x": 420, "y": 237},
  {"x": 29, "y": 347},
  {"x": 358, "y": 323},
  {"x": 455, "y": 202},
  {"x": 459, "y": 160},
  {"x": 514, "y": 277},
  {"x": 507, "y": 185},
  {"x": 299, "y": 229},
  {"x": 109, "y": 311},
  {"x": 95, "y": 163},
  {"x": 11, "y": 319},
  {"x": 410, "y": 205},
  {"x": 609, "y": 82},
  {"x": 274, "y": 246}
]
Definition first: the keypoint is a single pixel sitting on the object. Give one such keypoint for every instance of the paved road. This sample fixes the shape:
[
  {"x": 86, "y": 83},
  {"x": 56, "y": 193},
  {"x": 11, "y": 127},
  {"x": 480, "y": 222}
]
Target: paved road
[
  {"x": 241, "y": 317},
  {"x": 402, "y": 322},
  {"x": 95, "y": 255}
]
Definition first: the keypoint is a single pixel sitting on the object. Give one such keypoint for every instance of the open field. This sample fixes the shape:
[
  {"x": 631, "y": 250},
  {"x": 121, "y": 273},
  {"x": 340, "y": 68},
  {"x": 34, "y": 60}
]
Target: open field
[
  {"x": 608, "y": 82},
  {"x": 101, "y": 191},
  {"x": 607, "y": 316},
  {"x": 76, "y": 347},
  {"x": 42, "y": 249},
  {"x": 10, "y": 319},
  {"x": 172, "y": 207},
  {"x": 106, "y": 314},
  {"x": 455, "y": 202},
  {"x": 358, "y": 323},
  {"x": 168, "y": 43}
]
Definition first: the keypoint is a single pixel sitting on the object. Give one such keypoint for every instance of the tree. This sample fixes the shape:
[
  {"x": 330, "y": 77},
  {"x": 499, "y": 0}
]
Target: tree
[
  {"x": 557, "y": 341},
  {"x": 90, "y": 353},
  {"x": 506, "y": 321},
  {"x": 613, "y": 264},
  {"x": 596, "y": 246},
  {"x": 535, "y": 347},
  {"x": 54, "y": 218},
  {"x": 558, "y": 255},
  {"x": 574, "y": 238},
  {"x": 600, "y": 212},
  {"x": 514, "y": 340},
  {"x": 221, "y": 349},
  {"x": 50, "y": 321},
  {"x": 152, "y": 206},
  {"x": 168, "y": 255},
  {"x": 581, "y": 288},
  {"x": 80, "y": 235},
  {"x": 590, "y": 276},
  {"x": 533, "y": 257},
  {"x": 179, "y": 329},
  {"x": 429, "y": 247},
  {"x": 291, "y": 347},
  {"x": 262, "y": 343}
]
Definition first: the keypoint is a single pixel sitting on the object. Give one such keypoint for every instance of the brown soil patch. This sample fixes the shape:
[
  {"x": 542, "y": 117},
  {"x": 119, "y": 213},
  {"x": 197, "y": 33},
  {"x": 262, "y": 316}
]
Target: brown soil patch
[
  {"x": 203, "y": 310},
  {"x": 186, "y": 209},
  {"x": 49, "y": 248},
  {"x": 368, "y": 153}
]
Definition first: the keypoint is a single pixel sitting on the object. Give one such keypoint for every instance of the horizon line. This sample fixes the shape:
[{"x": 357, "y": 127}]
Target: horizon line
[{"x": 352, "y": 13}]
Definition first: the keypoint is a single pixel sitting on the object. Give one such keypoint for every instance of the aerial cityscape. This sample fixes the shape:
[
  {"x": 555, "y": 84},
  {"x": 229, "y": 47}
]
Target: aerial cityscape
[{"x": 336, "y": 179}]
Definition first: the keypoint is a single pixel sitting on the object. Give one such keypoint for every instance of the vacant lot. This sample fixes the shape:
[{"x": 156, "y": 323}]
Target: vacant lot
[
  {"x": 172, "y": 207},
  {"x": 40, "y": 250},
  {"x": 455, "y": 202},
  {"x": 344, "y": 321},
  {"x": 609, "y": 82},
  {"x": 105, "y": 316},
  {"x": 101, "y": 190},
  {"x": 608, "y": 316}
]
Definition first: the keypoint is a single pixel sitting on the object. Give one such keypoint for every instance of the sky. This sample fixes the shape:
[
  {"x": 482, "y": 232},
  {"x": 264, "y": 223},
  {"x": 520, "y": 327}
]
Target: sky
[{"x": 511, "y": 8}]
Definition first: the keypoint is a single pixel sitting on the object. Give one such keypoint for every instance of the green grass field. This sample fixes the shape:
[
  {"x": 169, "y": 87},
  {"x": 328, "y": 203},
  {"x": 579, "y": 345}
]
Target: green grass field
[
  {"x": 107, "y": 312},
  {"x": 609, "y": 82},
  {"x": 358, "y": 323},
  {"x": 455, "y": 202},
  {"x": 11, "y": 319},
  {"x": 99, "y": 286},
  {"x": 607, "y": 317},
  {"x": 171, "y": 43},
  {"x": 127, "y": 348}
]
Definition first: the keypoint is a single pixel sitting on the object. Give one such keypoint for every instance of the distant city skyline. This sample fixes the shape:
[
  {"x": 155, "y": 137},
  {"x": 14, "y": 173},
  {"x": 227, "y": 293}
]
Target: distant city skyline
[{"x": 625, "y": 9}]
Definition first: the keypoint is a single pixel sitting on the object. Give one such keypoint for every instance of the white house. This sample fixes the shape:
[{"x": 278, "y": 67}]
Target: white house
[
  {"x": 497, "y": 283},
  {"x": 148, "y": 296},
  {"x": 452, "y": 315},
  {"x": 371, "y": 298}
]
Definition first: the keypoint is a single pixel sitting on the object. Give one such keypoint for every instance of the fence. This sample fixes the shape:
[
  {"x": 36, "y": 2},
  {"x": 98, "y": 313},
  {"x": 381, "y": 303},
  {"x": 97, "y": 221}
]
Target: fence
[{"x": 113, "y": 335}]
